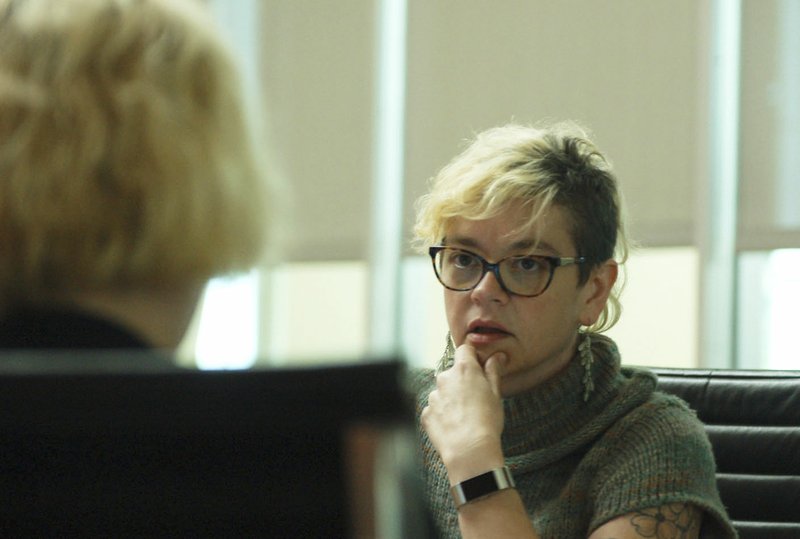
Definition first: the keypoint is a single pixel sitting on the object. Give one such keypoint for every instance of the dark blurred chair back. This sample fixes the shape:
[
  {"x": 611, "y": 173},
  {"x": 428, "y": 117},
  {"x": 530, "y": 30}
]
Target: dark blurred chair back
[
  {"x": 753, "y": 420},
  {"x": 86, "y": 452}
]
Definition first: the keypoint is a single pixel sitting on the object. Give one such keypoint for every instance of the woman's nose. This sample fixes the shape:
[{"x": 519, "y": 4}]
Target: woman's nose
[{"x": 489, "y": 289}]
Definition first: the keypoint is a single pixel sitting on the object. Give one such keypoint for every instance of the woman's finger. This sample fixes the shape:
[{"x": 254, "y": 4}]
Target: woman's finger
[{"x": 494, "y": 371}]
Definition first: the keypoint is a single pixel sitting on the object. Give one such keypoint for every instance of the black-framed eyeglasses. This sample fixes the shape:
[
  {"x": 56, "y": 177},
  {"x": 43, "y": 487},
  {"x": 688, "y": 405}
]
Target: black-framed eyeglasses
[{"x": 522, "y": 275}]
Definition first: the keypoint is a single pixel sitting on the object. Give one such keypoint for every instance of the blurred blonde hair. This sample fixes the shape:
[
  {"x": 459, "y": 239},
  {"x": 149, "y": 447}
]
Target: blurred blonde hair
[
  {"x": 125, "y": 156},
  {"x": 535, "y": 167}
]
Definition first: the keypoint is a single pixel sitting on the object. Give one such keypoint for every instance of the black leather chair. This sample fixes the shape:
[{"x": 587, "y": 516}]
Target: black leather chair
[{"x": 753, "y": 421}]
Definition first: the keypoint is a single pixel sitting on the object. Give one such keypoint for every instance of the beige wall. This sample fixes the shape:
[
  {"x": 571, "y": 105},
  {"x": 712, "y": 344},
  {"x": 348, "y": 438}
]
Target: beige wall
[
  {"x": 317, "y": 73},
  {"x": 628, "y": 69}
]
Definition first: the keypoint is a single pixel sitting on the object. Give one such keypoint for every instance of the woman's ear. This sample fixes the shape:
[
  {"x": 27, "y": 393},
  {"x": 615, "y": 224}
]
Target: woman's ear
[{"x": 596, "y": 290}]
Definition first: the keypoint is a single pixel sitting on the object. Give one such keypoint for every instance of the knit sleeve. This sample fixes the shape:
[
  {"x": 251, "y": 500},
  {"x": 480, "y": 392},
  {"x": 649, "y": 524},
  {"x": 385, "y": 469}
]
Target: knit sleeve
[
  {"x": 658, "y": 454},
  {"x": 420, "y": 383}
]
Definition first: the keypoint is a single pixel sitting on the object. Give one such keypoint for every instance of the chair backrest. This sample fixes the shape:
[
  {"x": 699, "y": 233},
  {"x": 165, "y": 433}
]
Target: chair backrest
[
  {"x": 753, "y": 421},
  {"x": 91, "y": 448}
]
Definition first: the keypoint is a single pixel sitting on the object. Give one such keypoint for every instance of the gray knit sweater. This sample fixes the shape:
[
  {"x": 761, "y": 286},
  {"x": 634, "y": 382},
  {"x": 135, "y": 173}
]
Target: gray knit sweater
[{"x": 580, "y": 464}]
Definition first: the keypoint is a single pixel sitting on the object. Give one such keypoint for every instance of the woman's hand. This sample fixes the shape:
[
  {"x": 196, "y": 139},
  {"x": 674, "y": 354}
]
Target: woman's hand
[
  {"x": 464, "y": 416},
  {"x": 464, "y": 421}
]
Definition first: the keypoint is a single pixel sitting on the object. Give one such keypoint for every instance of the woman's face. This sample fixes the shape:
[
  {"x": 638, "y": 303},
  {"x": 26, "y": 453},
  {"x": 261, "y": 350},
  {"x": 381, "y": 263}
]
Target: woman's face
[{"x": 537, "y": 334}]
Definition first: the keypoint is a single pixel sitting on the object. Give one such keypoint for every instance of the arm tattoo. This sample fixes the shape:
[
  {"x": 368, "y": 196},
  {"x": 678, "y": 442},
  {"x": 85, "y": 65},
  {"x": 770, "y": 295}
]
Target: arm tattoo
[{"x": 673, "y": 521}]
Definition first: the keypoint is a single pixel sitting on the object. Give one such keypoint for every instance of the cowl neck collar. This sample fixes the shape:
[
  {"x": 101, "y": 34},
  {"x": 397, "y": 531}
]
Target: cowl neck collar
[{"x": 552, "y": 419}]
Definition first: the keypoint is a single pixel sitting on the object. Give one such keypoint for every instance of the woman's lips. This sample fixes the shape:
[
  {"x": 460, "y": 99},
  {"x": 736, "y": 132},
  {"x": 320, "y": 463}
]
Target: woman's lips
[{"x": 485, "y": 333}]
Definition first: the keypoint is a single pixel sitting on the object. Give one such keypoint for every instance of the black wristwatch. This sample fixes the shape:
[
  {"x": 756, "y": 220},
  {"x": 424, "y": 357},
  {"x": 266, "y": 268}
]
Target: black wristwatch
[{"x": 481, "y": 485}]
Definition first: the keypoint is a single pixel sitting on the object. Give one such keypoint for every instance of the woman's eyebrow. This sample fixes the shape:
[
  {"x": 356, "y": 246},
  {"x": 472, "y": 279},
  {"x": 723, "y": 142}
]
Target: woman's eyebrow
[
  {"x": 520, "y": 246},
  {"x": 461, "y": 241},
  {"x": 524, "y": 245},
  {"x": 533, "y": 245}
]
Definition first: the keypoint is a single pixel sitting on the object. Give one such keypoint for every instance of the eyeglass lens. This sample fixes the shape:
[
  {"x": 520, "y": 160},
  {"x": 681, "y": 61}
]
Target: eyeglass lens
[{"x": 461, "y": 270}]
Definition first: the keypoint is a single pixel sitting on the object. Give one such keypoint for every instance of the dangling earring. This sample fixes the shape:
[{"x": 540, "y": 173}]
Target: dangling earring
[
  {"x": 587, "y": 360},
  {"x": 447, "y": 357}
]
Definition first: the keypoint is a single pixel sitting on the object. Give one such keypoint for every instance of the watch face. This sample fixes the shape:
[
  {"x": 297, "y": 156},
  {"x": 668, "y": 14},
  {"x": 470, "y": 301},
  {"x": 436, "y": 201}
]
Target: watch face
[{"x": 480, "y": 486}]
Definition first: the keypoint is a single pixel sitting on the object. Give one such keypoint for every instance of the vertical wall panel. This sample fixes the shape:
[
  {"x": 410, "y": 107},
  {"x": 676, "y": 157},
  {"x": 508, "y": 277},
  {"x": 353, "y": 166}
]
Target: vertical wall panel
[
  {"x": 318, "y": 76},
  {"x": 770, "y": 129}
]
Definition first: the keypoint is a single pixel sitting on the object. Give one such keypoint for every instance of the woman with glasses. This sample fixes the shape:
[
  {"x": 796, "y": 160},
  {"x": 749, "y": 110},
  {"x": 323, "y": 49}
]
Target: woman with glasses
[{"x": 530, "y": 426}]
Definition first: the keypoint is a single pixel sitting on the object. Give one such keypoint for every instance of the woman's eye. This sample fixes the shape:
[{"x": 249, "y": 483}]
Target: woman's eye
[
  {"x": 527, "y": 264},
  {"x": 462, "y": 260}
]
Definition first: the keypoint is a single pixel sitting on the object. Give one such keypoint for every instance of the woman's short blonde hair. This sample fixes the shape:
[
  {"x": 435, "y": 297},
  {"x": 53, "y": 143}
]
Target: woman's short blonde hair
[
  {"x": 535, "y": 167},
  {"x": 125, "y": 157}
]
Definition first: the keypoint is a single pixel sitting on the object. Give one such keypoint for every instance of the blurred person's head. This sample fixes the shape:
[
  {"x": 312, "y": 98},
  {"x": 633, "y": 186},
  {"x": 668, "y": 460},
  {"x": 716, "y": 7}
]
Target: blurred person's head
[{"x": 126, "y": 167}]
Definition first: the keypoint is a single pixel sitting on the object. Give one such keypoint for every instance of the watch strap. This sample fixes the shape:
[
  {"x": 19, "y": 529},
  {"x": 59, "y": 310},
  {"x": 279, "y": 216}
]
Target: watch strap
[{"x": 481, "y": 485}]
